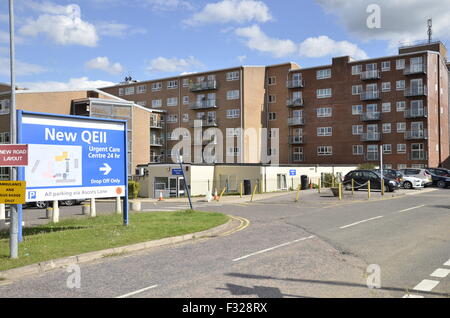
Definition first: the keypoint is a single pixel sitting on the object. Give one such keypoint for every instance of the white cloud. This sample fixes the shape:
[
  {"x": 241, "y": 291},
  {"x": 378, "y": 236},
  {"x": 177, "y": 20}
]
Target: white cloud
[
  {"x": 170, "y": 65},
  {"x": 4, "y": 38},
  {"x": 62, "y": 24},
  {"x": 404, "y": 20},
  {"x": 258, "y": 40},
  {"x": 166, "y": 5},
  {"x": 72, "y": 84},
  {"x": 324, "y": 46},
  {"x": 117, "y": 29},
  {"x": 102, "y": 63},
  {"x": 226, "y": 11},
  {"x": 22, "y": 68},
  {"x": 242, "y": 58}
]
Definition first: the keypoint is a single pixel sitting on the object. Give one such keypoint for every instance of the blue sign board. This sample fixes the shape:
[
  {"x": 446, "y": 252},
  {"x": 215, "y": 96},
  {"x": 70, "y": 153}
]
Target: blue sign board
[
  {"x": 177, "y": 172},
  {"x": 292, "y": 172}
]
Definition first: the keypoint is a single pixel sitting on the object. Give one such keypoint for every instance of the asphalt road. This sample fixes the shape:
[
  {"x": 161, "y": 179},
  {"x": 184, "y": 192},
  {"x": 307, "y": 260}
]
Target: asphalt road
[{"x": 307, "y": 249}]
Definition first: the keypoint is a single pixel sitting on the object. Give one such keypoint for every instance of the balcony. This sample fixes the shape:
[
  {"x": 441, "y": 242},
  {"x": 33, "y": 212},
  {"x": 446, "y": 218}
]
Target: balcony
[
  {"x": 156, "y": 142},
  {"x": 371, "y": 116},
  {"x": 210, "y": 122},
  {"x": 416, "y": 91},
  {"x": 203, "y": 86},
  {"x": 298, "y": 157},
  {"x": 370, "y": 95},
  {"x": 416, "y": 112},
  {"x": 415, "y": 69},
  {"x": 203, "y": 104},
  {"x": 296, "y": 140},
  {"x": 295, "y": 84},
  {"x": 156, "y": 159},
  {"x": 296, "y": 121},
  {"x": 294, "y": 102},
  {"x": 156, "y": 124},
  {"x": 418, "y": 155},
  {"x": 370, "y": 75},
  {"x": 371, "y": 136},
  {"x": 416, "y": 134},
  {"x": 372, "y": 156}
]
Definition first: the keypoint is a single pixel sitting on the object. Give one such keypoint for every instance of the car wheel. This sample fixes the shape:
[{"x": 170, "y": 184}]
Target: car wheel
[
  {"x": 42, "y": 204},
  {"x": 407, "y": 185},
  {"x": 68, "y": 202},
  {"x": 348, "y": 187},
  {"x": 441, "y": 184}
]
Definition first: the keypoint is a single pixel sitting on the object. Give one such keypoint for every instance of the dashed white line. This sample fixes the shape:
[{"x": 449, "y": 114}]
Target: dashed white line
[
  {"x": 272, "y": 248},
  {"x": 356, "y": 223},
  {"x": 441, "y": 273},
  {"x": 426, "y": 285},
  {"x": 413, "y": 208},
  {"x": 137, "y": 291}
]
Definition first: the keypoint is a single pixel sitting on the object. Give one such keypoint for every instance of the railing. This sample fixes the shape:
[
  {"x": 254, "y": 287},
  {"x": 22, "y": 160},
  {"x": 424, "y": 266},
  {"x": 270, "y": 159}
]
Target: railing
[
  {"x": 295, "y": 121},
  {"x": 202, "y": 86},
  {"x": 156, "y": 124},
  {"x": 416, "y": 91},
  {"x": 372, "y": 156},
  {"x": 211, "y": 103},
  {"x": 416, "y": 112},
  {"x": 156, "y": 141},
  {"x": 296, "y": 140},
  {"x": 156, "y": 159},
  {"x": 298, "y": 157},
  {"x": 210, "y": 122},
  {"x": 369, "y": 75},
  {"x": 295, "y": 83},
  {"x": 418, "y": 155},
  {"x": 370, "y": 95},
  {"x": 416, "y": 134},
  {"x": 370, "y": 116},
  {"x": 415, "y": 69},
  {"x": 371, "y": 136},
  {"x": 294, "y": 102}
]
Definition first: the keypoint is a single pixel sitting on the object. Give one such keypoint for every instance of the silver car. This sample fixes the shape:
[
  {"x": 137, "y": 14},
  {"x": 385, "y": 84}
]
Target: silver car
[{"x": 418, "y": 173}]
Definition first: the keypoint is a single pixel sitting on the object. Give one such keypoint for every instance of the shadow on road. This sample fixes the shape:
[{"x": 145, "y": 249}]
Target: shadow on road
[{"x": 260, "y": 291}]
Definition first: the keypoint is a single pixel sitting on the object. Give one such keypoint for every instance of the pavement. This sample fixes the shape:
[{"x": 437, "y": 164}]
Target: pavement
[{"x": 316, "y": 247}]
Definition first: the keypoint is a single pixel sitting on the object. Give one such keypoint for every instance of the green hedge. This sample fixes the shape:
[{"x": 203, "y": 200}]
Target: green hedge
[{"x": 133, "y": 189}]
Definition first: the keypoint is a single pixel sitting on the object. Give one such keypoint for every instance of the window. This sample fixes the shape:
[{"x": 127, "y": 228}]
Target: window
[
  {"x": 402, "y": 166},
  {"x": 386, "y": 107},
  {"x": 172, "y": 84},
  {"x": 185, "y": 100},
  {"x": 401, "y": 105},
  {"x": 121, "y": 91},
  {"x": 356, "y": 89},
  {"x": 272, "y": 80},
  {"x": 321, "y": 74},
  {"x": 4, "y": 138},
  {"x": 386, "y": 128},
  {"x": 142, "y": 103},
  {"x": 272, "y": 98},
  {"x": 387, "y": 149},
  {"x": 401, "y": 127},
  {"x": 324, "y": 93},
  {"x": 324, "y": 131},
  {"x": 172, "y": 118},
  {"x": 185, "y": 82},
  {"x": 233, "y": 76},
  {"x": 172, "y": 101},
  {"x": 233, "y": 94},
  {"x": 233, "y": 132},
  {"x": 142, "y": 89},
  {"x": 357, "y": 129},
  {"x": 324, "y": 112},
  {"x": 156, "y": 103},
  {"x": 386, "y": 86},
  {"x": 156, "y": 86},
  {"x": 385, "y": 66},
  {"x": 401, "y": 148},
  {"x": 272, "y": 116},
  {"x": 324, "y": 150},
  {"x": 358, "y": 150},
  {"x": 281, "y": 182},
  {"x": 185, "y": 118},
  {"x": 371, "y": 67},
  {"x": 233, "y": 151},
  {"x": 400, "y": 64},
  {"x": 357, "y": 109},
  {"x": 129, "y": 90},
  {"x": 400, "y": 85},
  {"x": 356, "y": 69},
  {"x": 5, "y": 105},
  {"x": 233, "y": 113}
]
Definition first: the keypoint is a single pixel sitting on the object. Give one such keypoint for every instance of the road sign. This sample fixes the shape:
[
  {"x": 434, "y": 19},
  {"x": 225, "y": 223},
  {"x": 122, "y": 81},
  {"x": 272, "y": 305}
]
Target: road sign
[
  {"x": 292, "y": 173},
  {"x": 12, "y": 192},
  {"x": 73, "y": 157},
  {"x": 13, "y": 155},
  {"x": 177, "y": 172}
]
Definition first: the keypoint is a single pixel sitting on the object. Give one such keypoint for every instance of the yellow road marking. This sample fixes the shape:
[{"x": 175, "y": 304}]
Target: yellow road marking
[{"x": 244, "y": 224}]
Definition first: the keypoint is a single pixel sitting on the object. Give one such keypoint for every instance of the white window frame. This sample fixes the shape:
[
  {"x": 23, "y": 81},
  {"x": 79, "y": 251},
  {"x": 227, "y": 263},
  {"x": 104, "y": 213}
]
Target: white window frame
[
  {"x": 233, "y": 113},
  {"x": 324, "y": 131},
  {"x": 400, "y": 64},
  {"x": 121, "y": 91},
  {"x": 357, "y": 109},
  {"x": 185, "y": 100},
  {"x": 156, "y": 103},
  {"x": 386, "y": 86},
  {"x": 357, "y": 89},
  {"x": 387, "y": 128},
  {"x": 129, "y": 90},
  {"x": 156, "y": 86},
  {"x": 142, "y": 89},
  {"x": 325, "y": 150},
  {"x": 387, "y": 149},
  {"x": 401, "y": 148},
  {"x": 398, "y": 85},
  {"x": 357, "y": 69},
  {"x": 233, "y": 94},
  {"x": 324, "y": 93},
  {"x": 272, "y": 116},
  {"x": 324, "y": 112},
  {"x": 323, "y": 74},
  {"x": 401, "y": 127},
  {"x": 233, "y": 76},
  {"x": 385, "y": 68},
  {"x": 386, "y": 107},
  {"x": 172, "y": 84},
  {"x": 357, "y": 129},
  {"x": 172, "y": 101},
  {"x": 358, "y": 150}
]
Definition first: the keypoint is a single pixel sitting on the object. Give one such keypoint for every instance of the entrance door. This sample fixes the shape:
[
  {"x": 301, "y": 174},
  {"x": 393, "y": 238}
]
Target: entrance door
[
  {"x": 173, "y": 187},
  {"x": 181, "y": 188}
]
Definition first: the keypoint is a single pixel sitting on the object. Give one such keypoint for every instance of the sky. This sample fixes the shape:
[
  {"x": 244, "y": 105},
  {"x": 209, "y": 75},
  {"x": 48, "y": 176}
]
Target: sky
[{"x": 71, "y": 44}]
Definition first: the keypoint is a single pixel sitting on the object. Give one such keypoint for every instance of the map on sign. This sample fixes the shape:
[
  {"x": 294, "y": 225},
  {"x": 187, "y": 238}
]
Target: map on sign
[{"x": 53, "y": 165}]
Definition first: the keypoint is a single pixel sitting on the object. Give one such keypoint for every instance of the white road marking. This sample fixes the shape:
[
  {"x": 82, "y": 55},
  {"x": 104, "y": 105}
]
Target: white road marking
[
  {"x": 441, "y": 273},
  {"x": 416, "y": 207},
  {"x": 412, "y": 296},
  {"x": 447, "y": 263},
  {"x": 356, "y": 223},
  {"x": 272, "y": 248},
  {"x": 137, "y": 291},
  {"x": 426, "y": 285}
]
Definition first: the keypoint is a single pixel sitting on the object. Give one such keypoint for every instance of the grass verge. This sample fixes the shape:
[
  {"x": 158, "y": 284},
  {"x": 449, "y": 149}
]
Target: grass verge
[{"x": 75, "y": 236}]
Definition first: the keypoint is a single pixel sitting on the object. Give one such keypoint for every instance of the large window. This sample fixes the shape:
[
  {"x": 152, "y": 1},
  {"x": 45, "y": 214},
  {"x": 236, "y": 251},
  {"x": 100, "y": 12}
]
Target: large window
[
  {"x": 324, "y": 131},
  {"x": 233, "y": 76},
  {"x": 324, "y": 93},
  {"x": 129, "y": 90},
  {"x": 233, "y": 113},
  {"x": 141, "y": 89},
  {"x": 4, "y": 138},
  {"x": 357, "y": 109},
  {"x": 156, "y": 86},
  {"x": 324, "y": 112},
  {"x": 358, "y": 150},
  {"x": 324, "y": 150},
  {"x": 5, "y": 105},
  {"x": 321, "y": 74},
  {"x": 172, "y": 101},
  {"x": 234, "y": 94},
  {"x": 172, "y": 84}
]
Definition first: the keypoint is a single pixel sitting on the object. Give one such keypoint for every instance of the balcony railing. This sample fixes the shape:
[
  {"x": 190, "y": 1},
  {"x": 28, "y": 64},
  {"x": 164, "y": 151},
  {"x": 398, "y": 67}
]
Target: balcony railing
[
  {"x": 416, "y": 134},
  {"x": 296, "y": 121},
  {"x": 156, "y": 124},
  {"x": 203, "y": 104},
  {"x": 295, "y": 83},
  {"x": 210, "y": 122},
  {"x": 296, "y": 140},
  {"x": 371, "y": 116},
  {"x": 370, "y": 75},
  {"x": 416, "y": 112},
  {"x": 298, "y": 157},
  {"x": 156, "y": 159},
  {"x": 418, "y": 155},
  {"x": 294, "y": 102},
  {"x": 416, "y": 91},
  {"x": 203, "y": 86},
  {"x": 371, "y": 136},
  {"x": 156, "y": 141},
  {"x": 415, "y": 69},
  {"x": 370, "y": 95},
  {"x": 372, "y": 156}
]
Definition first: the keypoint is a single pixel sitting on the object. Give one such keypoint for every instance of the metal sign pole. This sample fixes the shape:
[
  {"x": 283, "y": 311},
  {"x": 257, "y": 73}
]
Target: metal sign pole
[
  {"x": 180, "y": 158},
  {"x": 381, "y": 169}
]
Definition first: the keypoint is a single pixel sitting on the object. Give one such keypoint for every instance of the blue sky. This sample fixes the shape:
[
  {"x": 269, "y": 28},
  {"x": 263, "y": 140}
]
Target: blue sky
[{"x": 80, "y": 43}]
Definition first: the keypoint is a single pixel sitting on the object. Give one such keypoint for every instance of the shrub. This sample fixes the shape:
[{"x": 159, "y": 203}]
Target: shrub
[
  {"x": 367, "y": 166},
  {"x": 133, "y": 189}
]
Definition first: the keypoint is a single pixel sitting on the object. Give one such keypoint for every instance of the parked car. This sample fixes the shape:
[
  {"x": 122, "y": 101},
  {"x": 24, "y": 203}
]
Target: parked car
[
  {"x": 422, "y": 174},
  {"x": 439, "y": 171},
  {"x": 440, "y": 181},
  {"x": 46, "y": 204},
  {"x": 412, "y": 183},
  {"x": 392, "y": 174},
  {"x": 361, "y": 178}
]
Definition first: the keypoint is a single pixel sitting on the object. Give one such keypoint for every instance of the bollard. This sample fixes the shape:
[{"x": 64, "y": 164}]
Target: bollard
[
  {"x": 136, "y": 206},
  {"x": 332, "y": 181},
  {"x": 253, "y": 193},
  {"x": 221, "y": 194},
  {"x": 298, "y": 192},
  {"x": 319, "y": 184},
  {"x": 368, "y": 189},
  {"x": 118, "y": 206},
  {"x": 241, "y": 189},
  {"x": 55, "y": 215},
  {"x": 382, "y": 187},
  {"x": 353, "y": 187},
  {"x": 340, "y": 191},
  {"x": 49, "y": 213},
  {"x": 2, "y": 215},
  {"x": 93, "y": 212},
  {"x": 86, "y": 209}
]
